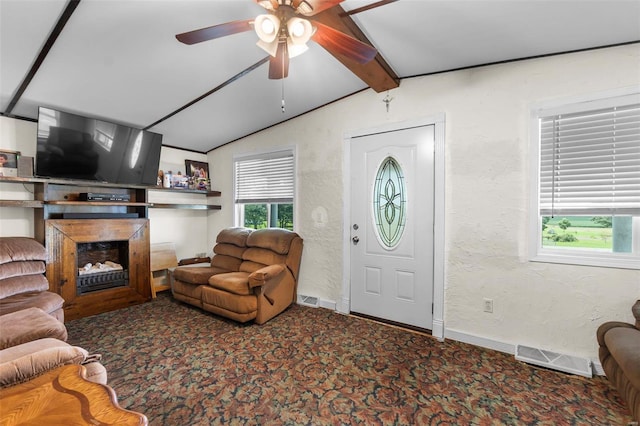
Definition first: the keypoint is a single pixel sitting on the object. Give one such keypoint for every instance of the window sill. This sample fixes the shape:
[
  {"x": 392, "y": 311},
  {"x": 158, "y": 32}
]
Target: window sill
[{"x": 619, "y": 261}]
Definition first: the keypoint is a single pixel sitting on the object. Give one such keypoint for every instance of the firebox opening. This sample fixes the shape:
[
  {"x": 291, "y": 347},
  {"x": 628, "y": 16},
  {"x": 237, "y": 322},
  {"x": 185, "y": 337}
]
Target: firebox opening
[{"x": 102, "y": 265}]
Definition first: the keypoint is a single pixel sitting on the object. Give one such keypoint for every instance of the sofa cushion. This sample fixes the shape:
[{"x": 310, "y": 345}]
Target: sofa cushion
[
  {"x": 14, "y": 249},
  {"x": 274, "y": 239},
  {"x": 196, "y": 275},
  {"x": 226, "y": 263},
  {"x": 624, "y": 346},
  {"x": 235, "y": 236},
  {"x": 21, "y": 268},
  {"x": 23, "y": 362},
  {"x": 263, "y": 256},
  {"x": 16, "y": 285},
  {"x": 229, "y": 250},
  {"x": 45, "y": 300},
  {"x": 233, "y": 282},
  {"x": 27, "y": 325}
]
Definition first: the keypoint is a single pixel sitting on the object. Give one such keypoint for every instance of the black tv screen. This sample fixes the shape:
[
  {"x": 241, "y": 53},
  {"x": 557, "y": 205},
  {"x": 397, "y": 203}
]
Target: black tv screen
[{"x": 71, "y": 146}]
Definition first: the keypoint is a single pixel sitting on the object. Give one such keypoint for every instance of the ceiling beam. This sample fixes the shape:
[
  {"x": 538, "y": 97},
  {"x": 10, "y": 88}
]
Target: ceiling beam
[
  {"x": 210, "y": 92},
  {"x": 62, "y": 21},
  {"x": 370, "y": 6},
  {"x": 376, "y": 73}
]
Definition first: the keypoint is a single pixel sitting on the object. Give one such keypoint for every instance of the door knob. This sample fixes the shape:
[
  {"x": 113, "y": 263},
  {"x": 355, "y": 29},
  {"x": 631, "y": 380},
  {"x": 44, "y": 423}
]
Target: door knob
[{"x": 355, "y": 240}]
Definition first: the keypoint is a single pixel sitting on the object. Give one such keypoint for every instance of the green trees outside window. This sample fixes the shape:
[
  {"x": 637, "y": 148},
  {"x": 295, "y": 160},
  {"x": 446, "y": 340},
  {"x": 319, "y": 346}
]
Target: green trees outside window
[{"x": 258, "y": 216}]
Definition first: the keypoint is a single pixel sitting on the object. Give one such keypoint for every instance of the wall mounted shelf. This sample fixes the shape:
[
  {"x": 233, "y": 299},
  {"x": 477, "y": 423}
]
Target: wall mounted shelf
[{"x": 186, "y": 206}]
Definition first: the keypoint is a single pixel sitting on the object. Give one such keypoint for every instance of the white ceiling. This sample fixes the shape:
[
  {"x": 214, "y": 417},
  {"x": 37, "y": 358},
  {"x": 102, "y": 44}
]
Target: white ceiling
[{"x": 119, "y": 59}]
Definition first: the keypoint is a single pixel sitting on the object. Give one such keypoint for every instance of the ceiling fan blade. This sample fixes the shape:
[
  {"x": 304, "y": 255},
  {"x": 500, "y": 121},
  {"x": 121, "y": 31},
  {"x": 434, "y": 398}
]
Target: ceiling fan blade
[
  {"x": 312, "y": 7},
  {"x": 216, "y": 31},
  {"x": 336, "y": 42},
  {"x": 279, "y": 65}
]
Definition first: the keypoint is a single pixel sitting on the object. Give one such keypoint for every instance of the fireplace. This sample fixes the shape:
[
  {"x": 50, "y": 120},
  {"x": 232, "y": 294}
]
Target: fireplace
[
  {"x": 102, "y": 265},
  {"x": 98, "y": 265}
]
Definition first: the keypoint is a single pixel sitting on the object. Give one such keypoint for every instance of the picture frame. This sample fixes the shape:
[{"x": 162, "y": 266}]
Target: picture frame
[
  {"x": 196, "y": 169},
  {"x": 9, "y": 163}
]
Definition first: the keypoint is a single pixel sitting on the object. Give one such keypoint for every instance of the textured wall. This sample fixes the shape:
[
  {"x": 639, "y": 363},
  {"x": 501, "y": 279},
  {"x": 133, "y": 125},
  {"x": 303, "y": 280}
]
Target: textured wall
[
  {"x": 17, "y": 135},
  {"x": 556, "y": 307}
]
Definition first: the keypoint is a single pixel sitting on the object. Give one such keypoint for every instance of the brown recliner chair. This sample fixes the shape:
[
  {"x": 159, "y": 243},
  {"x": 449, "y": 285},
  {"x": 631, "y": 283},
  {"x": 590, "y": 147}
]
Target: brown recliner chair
[
  {"x": 23, "y": 284},
  {"x": 253, "y": 275},
  {"x": 620, "y": 358}
]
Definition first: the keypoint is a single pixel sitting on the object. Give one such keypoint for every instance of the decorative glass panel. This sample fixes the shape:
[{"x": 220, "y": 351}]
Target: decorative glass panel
[{"x": 389, "y": 203}]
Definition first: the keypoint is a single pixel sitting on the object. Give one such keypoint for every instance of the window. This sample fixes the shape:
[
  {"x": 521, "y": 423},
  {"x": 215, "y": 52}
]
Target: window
[
  {"x": 264, "y": 190},
  {"x": 586, "y": 209}
]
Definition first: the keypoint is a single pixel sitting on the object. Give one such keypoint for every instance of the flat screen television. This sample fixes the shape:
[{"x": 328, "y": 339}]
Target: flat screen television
[{"x": 71, "y": 146}]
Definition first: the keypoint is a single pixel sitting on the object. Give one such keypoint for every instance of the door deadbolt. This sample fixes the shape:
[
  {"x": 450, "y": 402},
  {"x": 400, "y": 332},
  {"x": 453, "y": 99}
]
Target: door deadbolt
[{"x": 355, "y": 226}]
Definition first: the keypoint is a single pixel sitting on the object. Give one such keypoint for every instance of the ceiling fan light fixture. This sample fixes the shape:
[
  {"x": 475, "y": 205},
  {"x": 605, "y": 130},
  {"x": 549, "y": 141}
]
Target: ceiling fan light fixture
[
  {"x": 296, "y": 49},
  {"x": 300, "y": 30},
  {"x": 267, "y": 27},
  {"x": 270, "y": 48}
]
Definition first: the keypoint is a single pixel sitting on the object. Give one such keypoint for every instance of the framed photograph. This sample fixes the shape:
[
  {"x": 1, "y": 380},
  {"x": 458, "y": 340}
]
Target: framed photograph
[
  {"x": 8, "y": 163},
  {"x": 196, "y": 169}
]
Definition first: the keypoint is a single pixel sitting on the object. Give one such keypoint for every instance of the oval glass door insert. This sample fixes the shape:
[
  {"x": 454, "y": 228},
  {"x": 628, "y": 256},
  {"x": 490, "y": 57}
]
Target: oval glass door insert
[{"x": 389, "y": 203}]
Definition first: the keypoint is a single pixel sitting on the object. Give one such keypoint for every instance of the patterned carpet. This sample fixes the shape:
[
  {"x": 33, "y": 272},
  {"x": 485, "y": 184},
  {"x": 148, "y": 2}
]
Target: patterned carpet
[{"x": 181, "y": 366}]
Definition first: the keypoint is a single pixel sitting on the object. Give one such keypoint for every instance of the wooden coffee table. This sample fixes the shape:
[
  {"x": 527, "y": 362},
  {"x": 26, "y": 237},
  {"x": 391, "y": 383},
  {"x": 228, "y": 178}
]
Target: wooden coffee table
[{"x": 64, "y": 397}]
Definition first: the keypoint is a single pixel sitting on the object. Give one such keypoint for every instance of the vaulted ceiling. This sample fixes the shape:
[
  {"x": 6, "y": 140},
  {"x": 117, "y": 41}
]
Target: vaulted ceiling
[{"x": 119, "y": 60}]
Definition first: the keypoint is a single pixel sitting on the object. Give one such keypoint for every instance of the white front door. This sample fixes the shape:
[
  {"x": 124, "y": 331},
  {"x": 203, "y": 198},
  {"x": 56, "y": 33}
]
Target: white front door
[{"x": 392, "y": 193}]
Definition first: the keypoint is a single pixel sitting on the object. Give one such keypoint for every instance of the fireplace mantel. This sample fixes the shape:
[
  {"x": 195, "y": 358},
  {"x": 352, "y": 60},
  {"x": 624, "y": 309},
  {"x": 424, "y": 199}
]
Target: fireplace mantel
[{"x": 62, "y": 238}]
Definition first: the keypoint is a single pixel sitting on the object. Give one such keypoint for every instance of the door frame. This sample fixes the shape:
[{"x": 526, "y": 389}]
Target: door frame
[{"x": 438, "y": 121}]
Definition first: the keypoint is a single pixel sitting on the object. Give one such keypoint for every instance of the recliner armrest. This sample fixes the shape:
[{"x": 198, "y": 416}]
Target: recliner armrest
[
  {"x": 263, "y": 275},
  {"x": 602, "y": 330}
]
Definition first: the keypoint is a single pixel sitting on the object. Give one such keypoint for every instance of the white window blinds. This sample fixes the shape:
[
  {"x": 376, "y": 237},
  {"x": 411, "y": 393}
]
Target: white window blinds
[
  {"x": 590, "y": 162},
  {"x": 267, "y": 178}
]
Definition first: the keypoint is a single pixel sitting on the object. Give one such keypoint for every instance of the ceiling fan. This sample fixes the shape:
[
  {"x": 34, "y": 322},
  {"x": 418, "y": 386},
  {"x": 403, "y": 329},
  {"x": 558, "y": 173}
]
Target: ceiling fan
[{"x": 286, "y": 28}]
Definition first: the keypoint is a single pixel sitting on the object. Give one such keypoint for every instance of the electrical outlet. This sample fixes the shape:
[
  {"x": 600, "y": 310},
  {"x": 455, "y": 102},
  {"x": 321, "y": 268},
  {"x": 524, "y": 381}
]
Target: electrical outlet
[{"x": 488, "y": 305}]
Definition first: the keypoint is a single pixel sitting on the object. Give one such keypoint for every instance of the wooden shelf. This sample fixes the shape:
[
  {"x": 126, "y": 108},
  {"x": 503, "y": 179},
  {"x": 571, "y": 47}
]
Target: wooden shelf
[
  {"x": 185, "y": 206},
  {"x": 33, "y": 204},
  {"x": 70, "y": 182},
  {"x": 188, "y": 191},
  {"x": 77, "y": 183},
  {"x": 96, "y": 203}
]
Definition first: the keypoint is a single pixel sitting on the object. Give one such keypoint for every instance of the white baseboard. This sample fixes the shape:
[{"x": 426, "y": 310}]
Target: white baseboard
[
  {"x": 327, "y": 304},
  {"x": 483, "y": 342},
  {"x": 501, "y": 346},
  {"x": 480, "y": 341},
  {"x": 438, "y": 330}
]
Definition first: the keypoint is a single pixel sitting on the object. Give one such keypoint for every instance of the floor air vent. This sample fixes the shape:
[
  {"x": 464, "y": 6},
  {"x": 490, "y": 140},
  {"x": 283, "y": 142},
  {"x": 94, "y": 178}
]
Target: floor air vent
[
  {"x": 308, "y": 300},
  {"x": 555, "y": 361}
]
